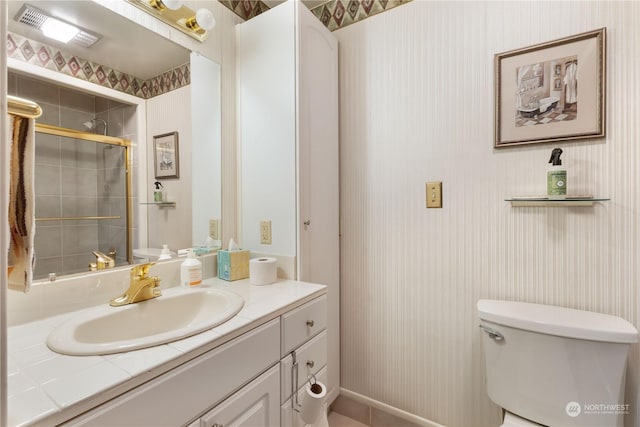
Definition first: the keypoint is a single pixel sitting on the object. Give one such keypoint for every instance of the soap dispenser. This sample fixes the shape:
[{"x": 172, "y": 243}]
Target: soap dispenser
[
  {"x": 191, "y": 270},
  {"x": 157, "y": 193},
  {"x": 556, "y": 177},
  {"x": 165, "y": 253}
]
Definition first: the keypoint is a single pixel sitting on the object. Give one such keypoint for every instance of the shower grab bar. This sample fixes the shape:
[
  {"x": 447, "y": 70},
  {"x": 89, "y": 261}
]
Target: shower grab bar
[{"x": 76, "y": 218}]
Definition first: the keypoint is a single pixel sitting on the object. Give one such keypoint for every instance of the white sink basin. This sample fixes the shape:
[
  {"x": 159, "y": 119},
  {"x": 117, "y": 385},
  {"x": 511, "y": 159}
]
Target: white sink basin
[{"x": 178, "y": 313}]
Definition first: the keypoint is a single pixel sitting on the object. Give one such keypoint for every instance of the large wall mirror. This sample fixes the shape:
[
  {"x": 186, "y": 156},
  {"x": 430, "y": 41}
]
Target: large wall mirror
[{"x": 81, "y": 185}]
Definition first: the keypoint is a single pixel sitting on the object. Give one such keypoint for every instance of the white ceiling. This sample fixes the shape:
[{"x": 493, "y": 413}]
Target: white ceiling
[{"x": 125, "y": 46}]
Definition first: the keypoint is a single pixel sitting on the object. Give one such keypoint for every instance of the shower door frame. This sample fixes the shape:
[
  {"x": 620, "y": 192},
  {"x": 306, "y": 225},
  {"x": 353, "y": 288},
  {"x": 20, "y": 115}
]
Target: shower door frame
[{"x": 109, "y": 140}]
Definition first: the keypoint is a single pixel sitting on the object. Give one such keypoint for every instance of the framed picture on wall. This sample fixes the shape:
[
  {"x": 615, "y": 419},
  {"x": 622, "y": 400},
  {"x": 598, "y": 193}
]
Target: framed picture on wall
[
  {"x": 551, "y": 92},
  {"x": 165, "y": 154}
]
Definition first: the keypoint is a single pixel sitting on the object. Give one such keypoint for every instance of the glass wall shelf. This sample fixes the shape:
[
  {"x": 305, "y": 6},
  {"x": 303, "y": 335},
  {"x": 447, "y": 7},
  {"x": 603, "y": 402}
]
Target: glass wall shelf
[
  {"x": 570, "y": 201},
  {"x": 161, "y": 204}
]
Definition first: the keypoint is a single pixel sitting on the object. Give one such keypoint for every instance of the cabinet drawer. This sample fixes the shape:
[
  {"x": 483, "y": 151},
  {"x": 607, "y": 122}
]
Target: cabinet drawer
[
  {"x": 190, "y": 389},
  {"x": 303, "y": 323},
  {"x": 254, "y": 405},
  {"x": 290, "y": 418},
  {"x": 311, "y": 357}
]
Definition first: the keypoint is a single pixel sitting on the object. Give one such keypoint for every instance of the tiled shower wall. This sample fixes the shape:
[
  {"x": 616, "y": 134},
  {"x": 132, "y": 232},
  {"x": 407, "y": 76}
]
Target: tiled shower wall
[
  {"x": 416, "y": 105},
  {"x": 76, "y": 178}
]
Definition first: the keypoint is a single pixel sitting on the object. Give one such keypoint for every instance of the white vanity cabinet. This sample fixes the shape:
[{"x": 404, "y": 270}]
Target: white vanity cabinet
[
  {"x": 288, "y": 137},
  {"x": 245, "y": 382}
]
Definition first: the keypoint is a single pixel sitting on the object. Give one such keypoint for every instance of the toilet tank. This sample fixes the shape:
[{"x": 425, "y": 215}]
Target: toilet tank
[{"x": 556, "y": 366}]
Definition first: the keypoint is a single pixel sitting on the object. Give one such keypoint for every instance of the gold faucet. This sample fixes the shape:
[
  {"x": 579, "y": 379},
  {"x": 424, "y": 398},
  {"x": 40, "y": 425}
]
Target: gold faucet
[
  {"x": 102, "y": 261},
  {"x": 141, "y": 286}
]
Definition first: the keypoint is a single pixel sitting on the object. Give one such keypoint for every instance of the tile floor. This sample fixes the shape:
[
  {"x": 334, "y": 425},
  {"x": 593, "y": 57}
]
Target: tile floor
[{"x": 339, "y": 420}]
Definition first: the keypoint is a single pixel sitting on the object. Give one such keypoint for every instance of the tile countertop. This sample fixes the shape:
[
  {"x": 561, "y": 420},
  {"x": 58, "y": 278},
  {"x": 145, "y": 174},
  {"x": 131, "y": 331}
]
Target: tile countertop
[{"x": 47, "y": 388}]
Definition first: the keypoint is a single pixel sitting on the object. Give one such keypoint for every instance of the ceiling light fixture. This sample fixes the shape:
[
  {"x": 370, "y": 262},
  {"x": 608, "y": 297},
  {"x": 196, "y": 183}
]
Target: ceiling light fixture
[
  {"x": 59, "y": 30},
  {"x": 202, "y": 21},
  {"x": 174, "y": 13},
  {"x": 165, "y": 4},
  {"x": 55, "y": 28}
]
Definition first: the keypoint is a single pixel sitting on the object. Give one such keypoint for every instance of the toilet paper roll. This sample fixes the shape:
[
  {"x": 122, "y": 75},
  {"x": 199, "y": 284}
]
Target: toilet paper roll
[
  {"x": 263, "y": 271},
  {"x": 313, "y": 402}
]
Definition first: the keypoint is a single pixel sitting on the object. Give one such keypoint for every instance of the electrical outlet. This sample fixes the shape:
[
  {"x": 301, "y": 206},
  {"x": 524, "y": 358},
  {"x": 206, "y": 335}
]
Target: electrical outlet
[
  {"x": 434, "y": 194},
  {"x": 265, "y": 232},
  {"x": 213, "y": 229}
]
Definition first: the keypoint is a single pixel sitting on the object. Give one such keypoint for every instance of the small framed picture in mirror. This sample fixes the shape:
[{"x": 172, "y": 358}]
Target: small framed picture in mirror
[{"x": 165, "y": 154}]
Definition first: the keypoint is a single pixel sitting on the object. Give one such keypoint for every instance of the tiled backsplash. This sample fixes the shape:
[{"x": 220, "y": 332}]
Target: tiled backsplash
[{"x": 42, "y": 55}]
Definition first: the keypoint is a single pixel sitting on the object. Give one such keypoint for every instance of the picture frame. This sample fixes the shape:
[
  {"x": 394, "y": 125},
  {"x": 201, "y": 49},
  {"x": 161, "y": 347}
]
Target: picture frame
[
  {"x": 551, "y": 92},
  {"x": 166, "y": 155}
]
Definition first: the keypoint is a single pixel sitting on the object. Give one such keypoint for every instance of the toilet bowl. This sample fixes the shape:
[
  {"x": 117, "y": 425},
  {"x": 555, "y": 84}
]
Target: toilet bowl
[
  {"x": 152, "y": 254},
  {"x": 555, "y": 366}
]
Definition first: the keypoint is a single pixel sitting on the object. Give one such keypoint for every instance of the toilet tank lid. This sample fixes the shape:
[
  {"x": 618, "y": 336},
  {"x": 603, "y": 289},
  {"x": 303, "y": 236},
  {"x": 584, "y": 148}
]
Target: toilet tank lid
[{"x": 560, "y": 321}]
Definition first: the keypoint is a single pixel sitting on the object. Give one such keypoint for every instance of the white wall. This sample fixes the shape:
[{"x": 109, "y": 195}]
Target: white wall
[
  {"x": 170, "y": 112},
  {"x": 267, "y": 110},
  {"x": 416, "y": 105},
  {"x": 206, "y": 161}
]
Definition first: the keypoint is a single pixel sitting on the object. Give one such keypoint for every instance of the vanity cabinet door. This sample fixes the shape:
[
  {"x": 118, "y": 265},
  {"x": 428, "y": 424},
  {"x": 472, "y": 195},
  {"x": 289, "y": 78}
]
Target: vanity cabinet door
[{"x": 257, "y": 404}]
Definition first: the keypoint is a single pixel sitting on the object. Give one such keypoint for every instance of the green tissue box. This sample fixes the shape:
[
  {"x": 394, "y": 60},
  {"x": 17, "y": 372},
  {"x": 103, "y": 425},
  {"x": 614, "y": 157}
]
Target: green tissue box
[{"x": 233, "y": 265}]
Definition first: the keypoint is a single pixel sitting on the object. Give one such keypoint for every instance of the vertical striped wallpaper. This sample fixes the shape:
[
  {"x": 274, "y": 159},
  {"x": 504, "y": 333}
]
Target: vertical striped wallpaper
[{"x": 416, "y": 105}]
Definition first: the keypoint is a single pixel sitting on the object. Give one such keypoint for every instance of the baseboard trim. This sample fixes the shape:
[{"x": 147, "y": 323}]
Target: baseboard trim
[{"x": 388, "y": 408}]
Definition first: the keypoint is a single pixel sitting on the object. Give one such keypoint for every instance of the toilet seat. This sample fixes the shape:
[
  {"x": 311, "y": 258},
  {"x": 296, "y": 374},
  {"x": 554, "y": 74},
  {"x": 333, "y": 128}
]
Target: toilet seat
[{"x": 512, "y": 420}]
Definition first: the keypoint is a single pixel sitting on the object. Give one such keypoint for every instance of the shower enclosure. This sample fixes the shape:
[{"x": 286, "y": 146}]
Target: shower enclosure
[{"x": 83, "y": 199}]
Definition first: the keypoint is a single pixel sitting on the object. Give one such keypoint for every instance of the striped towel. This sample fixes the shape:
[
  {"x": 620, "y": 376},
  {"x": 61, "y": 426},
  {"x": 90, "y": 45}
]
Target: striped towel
[{"x": 21, "y": 202}]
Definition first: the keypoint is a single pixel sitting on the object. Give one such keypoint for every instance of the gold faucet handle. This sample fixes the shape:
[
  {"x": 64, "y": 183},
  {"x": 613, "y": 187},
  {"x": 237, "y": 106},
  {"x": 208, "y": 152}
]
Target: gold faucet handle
[{"x": 141, "y": 271}]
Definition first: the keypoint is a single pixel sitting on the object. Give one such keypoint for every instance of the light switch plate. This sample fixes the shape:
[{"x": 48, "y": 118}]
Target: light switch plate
[
  {"x": 213, "y": 229},
  {"x": 434, "y": 194},
  {"x": 265, "y": 232}
]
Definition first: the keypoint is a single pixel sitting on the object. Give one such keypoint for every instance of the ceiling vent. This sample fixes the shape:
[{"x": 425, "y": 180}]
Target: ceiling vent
[{"x": 36, "y": 18}]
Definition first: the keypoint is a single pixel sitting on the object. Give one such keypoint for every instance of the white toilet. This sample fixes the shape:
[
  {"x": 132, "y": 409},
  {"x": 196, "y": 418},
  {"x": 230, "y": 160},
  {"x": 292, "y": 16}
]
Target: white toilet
[
  {"x": 152, "y": 254},
  {"x": 555, "y": 366}
]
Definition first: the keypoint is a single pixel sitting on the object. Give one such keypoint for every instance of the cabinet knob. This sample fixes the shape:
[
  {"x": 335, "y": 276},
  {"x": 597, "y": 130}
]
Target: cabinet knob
[
  {"x": 310, "y": 363},
  {"x": 310, "y": 323},
  {"x": 307, "y": 223}
]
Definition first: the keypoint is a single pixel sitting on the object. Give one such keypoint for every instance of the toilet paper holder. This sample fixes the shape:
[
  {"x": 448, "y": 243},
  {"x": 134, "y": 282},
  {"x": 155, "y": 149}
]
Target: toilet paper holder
[{"x": 294, "y": 382}]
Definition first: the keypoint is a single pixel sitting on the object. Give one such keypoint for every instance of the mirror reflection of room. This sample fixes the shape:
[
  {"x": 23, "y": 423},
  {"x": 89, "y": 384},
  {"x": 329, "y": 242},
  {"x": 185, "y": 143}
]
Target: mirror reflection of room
[{"x": 85, "y": 220}]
